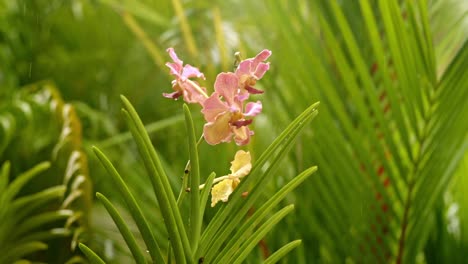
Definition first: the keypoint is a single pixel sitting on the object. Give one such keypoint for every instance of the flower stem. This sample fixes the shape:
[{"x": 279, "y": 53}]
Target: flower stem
[
  {"x": 184, "y": 188},
  {"x": 216, "y": 180},
  {"x": 197, "y": 87}
]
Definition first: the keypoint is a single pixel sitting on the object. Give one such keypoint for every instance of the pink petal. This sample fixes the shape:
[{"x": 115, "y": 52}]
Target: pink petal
[
  {"x": 242, "y": 135},
  {"x": 243, "y": 68},
  {"x": 262, "y": 56},
  {"x": 219, "y": 130},
  {"x": 212, "y": 107},
  {"x": 176, "y": 66},
  {"x": 175, "y": 69},
  {"x": 226, "y": 85},
  {"x": 260, "y": 70},
  {"x": 191, "y": 94},
  {"x": 253, "y": 109},
  {"x": 174, "y": 57},
  {"x": 254, "y": 66},
  {"x": 243, "y": 95},
  {"x": 189, "y": 72}
]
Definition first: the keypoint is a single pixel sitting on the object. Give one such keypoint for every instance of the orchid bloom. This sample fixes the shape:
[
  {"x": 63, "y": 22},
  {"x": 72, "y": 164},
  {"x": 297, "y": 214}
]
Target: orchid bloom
[
  {"x": 240, "y": 167},
  {"x": 183, "y": 86},
  {"x": 251, "y": 70},
  {"x": 227, "y": 118}
]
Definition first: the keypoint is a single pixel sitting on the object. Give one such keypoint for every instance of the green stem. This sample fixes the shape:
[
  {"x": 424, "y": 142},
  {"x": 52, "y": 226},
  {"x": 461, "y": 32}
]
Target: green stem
[{"x": 197, "y": 87}]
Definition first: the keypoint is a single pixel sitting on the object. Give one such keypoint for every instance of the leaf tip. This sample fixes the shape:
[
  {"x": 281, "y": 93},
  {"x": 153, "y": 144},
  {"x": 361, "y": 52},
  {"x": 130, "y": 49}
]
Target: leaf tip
[{"x": 99, "y": 195}]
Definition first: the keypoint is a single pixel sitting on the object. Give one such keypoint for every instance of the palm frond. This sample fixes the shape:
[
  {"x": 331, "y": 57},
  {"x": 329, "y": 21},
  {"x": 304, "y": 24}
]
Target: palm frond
[
  {"x": 391, "y": 131},
  {"x": 61, "y": 197}
]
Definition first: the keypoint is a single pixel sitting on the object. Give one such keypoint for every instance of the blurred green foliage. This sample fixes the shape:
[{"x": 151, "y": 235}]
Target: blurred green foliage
[{"x": 47, "y": 206}]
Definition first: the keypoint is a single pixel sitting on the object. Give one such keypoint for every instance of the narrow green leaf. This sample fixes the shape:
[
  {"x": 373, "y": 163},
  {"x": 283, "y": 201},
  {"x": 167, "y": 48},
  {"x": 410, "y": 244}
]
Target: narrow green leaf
[
  {"x": 253, "y": 240},
  {"x": 376, "y": 45},
  {"x": 382, "y": 61},
  {"x": 4, "y": 175},
  {"x": 76, "y": 238},
  {"x": 258, "y": 216},
  {"x": 205, "y": 193},
  {"x": 74, "y": 195},
  {"x": 195, "y": 217},
  {"x": 8, "y": 125},
  {"x": 280, "y": 253},
  {"x": 76, "y": 260},
  {"x": 160, "y": 183},
  {"x": 160, "y": 192},
  {"x": 40, "y": 219},
  {"x": 45, "y": 235},
  {"x": 91, "y": 255},
  {"x": 133, "y": 207},
  {"x": 358, "y": 63},
  {"x": 351, "y": 85},
  {"x": 139, "y": 9},
  {"x": 398, "y": 45},
  {"x": 21, "y": 180},
  {"x": 26, "y": 204},
  {"x": 124, "y": 229},
  {"x": 151, "y": 128},
  {"x": 19, "y": 251}
]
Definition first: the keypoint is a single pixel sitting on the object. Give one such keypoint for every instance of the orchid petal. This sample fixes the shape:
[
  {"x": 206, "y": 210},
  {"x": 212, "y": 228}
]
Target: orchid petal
[
  {"x": 189, "y": 72},
  {"x": 213, "y": 106},
  {"x": 242, "y": 135},
  {"x": 191, "y": 94},
  {"x": 226, "y": 85},
  {"x": 219, "y": 130},
  {"x": 243, "y": 68},
  {"x": 253, "y": 109},
  {"x": 262, "y": 56},
  {"x": 174, "y": 57},
  {"x": 222, "y": 190},
  {"x": 244, "y": 95},
  {"x": 261, "y": 69},
  {"x": 175, "y": 69},
  {"x": 241, "y": 165}
]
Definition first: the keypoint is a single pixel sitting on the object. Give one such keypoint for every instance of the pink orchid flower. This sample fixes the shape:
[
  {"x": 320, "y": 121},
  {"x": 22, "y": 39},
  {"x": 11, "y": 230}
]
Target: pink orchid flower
[
  {"x": 251, "y": 70},
  {"x": 227, "y": 119},
  {"x": 183, "y": 86}
]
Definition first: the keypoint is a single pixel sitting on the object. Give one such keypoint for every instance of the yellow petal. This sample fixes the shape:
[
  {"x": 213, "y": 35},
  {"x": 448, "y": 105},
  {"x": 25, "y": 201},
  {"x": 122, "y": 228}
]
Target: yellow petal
[
  {"x": 242, "y": 135},
  {"x": 241, "y": 165},
  {"x": 219, "y": 130},
  {"x": 222, "y": 190}
]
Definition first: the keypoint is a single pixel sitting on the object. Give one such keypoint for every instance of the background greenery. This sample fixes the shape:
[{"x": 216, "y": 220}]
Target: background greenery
[{"x": 390, "y": 141}]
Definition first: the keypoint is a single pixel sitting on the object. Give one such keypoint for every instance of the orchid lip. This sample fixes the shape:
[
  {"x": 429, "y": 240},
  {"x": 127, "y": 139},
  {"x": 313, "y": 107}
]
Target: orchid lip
[
  {"x": 174, "y": 96},
  {"x": 241, "y": 123},
  {"x": 252, "y": 90}
]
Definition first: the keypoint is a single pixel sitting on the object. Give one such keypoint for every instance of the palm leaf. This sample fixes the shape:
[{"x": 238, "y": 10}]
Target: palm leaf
[
  {"x": 36, "y": 120},
  {"x": 391, "y": 133}
]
